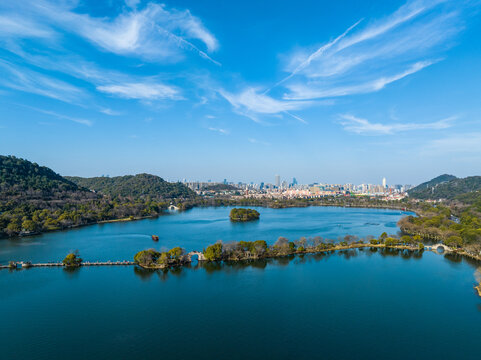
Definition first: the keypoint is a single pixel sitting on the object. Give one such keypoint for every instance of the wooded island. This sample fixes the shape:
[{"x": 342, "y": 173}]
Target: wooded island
[{"x": 243, "y": 215}]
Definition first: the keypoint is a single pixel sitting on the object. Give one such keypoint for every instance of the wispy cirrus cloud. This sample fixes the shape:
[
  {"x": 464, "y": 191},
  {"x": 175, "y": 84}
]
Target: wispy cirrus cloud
[
  {"x": 26, "y": 80},
  {"x": 153, "y": 32},
  {"x": 308, "y": 91},
  {"x": 15, "y": 26},
  {"x": 366, "y": 59},
  {"x": 110, "y": 112},
  {"x": 219, "y": 130},
  {"x": 141, "y": 91},
  {"x": 362, "y": 126},
  {"x": 81, "y": 121},
  {"x": 260, "y": 142},
  {"x": 251, "y": 102}
]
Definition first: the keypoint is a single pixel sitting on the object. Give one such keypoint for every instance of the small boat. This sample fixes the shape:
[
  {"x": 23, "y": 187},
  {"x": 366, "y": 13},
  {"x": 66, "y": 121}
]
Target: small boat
[{"x": 155, "y": 238}]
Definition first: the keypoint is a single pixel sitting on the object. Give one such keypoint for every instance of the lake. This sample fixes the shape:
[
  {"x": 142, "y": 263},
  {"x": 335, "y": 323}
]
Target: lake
[
  {"x": 197, "y": 228},
  {"x": 356, "y": 304}
]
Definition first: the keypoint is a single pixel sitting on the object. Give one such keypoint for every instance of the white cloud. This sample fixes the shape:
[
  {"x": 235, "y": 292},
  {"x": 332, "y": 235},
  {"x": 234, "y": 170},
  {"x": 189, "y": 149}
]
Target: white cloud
[
  {"x": 358, "y": 125},
  {"x": 12, "y": 25},
  {"x": 154, "y": 32},
  {"x": 219, "y": 130},
  {"x": 255, "y": 141},
  {"x": 110, "y": 112},
  {"x": 250, "y": 102},
  {"x": 141, "y": 91},
  {"x": 23, "y": 79},
  {"x": 363, "y": 60},
  {"x": 300, "y": 91},
  {"x": 64, "y": 117}
]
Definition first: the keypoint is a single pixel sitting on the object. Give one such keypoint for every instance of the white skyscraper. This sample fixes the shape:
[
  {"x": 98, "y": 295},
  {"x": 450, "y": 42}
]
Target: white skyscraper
[
  {"x": 384, "y": 183},
  {"x": 278, "y": 180}
]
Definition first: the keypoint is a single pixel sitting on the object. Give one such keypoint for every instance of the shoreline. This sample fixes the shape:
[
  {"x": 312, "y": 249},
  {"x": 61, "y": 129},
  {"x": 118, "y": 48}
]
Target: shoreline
[{"x": 128, "y": 219}]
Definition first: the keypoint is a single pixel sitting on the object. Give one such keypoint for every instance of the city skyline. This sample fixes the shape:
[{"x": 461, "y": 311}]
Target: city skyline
[{"x": 345, "y": 92}]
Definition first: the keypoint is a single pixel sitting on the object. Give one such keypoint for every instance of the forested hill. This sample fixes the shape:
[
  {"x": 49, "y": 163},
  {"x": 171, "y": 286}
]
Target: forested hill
[
  {"x": 446, "y": 187},
  {"x": 136, "y": 186},
  {"x": 35, "y": 199},
  {"x": 18, "y": 176}
]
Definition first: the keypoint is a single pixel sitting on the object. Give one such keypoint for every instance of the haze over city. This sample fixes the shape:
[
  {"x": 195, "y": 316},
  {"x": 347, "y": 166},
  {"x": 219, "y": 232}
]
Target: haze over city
[{"x": 335, "y": 92}]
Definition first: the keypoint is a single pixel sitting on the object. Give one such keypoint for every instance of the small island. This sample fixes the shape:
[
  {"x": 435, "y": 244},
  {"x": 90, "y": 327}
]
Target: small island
[{"x": 243, "y": 215}]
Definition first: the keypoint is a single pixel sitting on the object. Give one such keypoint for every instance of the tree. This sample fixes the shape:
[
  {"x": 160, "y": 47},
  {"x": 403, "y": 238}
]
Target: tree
[
  {"x": 72, "y": 259},
  {"x": 147, "y": 257},
  {"x": 454, "y": 241},
  {"x": 213, "y": 252},
  {"x": 176, "y": 252},
  {"x": 28, "y": 225}
]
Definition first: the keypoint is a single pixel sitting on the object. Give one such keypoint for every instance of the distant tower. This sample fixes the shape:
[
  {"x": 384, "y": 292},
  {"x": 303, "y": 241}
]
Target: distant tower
[
  {"x": 278, "y": 181},
  {"x": 294, "y": 181},
  {"x": 384, "y": 183}
]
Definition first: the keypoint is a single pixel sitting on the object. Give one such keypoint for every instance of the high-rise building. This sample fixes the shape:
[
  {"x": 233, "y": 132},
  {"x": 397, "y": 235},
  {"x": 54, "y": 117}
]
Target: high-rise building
[
  {"x": 384, "y": 182},
  {"x": 278, "y": 180},
  {"x": 294, "y": 181}
]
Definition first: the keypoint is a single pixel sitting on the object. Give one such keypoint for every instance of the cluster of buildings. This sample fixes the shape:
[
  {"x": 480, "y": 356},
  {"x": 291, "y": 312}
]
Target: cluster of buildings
[{"x": 292, "y": 189}]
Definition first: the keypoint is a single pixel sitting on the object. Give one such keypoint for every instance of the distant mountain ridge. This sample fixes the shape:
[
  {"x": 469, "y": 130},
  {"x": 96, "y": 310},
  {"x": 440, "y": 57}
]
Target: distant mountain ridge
[
  {"x": 137, "y": 186},
  {"x": 446, "y": 187}
]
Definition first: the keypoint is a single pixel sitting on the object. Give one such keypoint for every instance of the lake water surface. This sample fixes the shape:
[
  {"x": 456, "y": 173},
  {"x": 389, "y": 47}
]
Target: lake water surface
[
  {"x": 197, "y": 228},
  {"x": 357, "y": 304}
]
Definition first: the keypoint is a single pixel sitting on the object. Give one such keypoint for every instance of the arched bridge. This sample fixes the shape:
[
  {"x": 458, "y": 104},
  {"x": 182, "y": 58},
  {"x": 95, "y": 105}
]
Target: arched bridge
[
  {"x": 200, "y": 256},
  {"x": 435, "y": 247}
]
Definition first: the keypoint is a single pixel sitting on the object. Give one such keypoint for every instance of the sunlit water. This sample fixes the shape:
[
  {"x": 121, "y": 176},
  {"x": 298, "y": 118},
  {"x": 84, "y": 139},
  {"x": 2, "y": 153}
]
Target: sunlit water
[
  {"x": 357, "y": 304},
  {"x": 197, "y": 228}
]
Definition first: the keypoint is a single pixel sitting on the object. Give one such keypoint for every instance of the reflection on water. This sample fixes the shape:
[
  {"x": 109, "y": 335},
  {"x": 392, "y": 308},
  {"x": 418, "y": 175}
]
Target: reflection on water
[
  {"x": 293, "y": 307},
  {"x": 346, "y": 254},
  {"x": 229, "y": 266}
]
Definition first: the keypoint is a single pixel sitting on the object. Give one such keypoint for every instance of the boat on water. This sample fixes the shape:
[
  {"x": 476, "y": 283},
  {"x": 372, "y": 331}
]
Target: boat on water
[{"x": 155, "y": 238}]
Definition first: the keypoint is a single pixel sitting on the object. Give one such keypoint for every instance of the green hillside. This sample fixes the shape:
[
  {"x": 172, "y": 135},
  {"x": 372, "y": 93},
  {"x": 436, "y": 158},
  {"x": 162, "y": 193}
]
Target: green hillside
[
  {"x": 35, "y": 199},
  {"x": 447, "y": 187},
  {"x": 426, "y": 189},
  {"x": 136, "y": 186},
  {"x": 19, "y": 176}
]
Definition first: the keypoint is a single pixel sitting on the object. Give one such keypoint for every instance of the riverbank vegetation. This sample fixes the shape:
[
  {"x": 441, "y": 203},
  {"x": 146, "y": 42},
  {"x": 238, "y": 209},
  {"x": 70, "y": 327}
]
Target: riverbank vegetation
[
  {"x": 458, "y": 227},
  {"x": 243, "y": 215}
]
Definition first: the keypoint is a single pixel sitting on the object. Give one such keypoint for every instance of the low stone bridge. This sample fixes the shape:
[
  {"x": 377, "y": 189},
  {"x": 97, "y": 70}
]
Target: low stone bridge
[
  {"x": 200, "y": 256},
  {"x": 435, "y": 247}
]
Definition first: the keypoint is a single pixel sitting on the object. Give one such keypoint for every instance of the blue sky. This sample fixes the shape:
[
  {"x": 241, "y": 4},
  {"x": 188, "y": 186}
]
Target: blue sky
[{"x": 326, "y": 91}]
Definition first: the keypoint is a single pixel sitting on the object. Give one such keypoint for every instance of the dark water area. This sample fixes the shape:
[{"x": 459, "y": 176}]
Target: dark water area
[
  {"x": 197, "y": 228},
  {"x": 353, "y": 304},
  {"x": 356, "y": 304}
]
